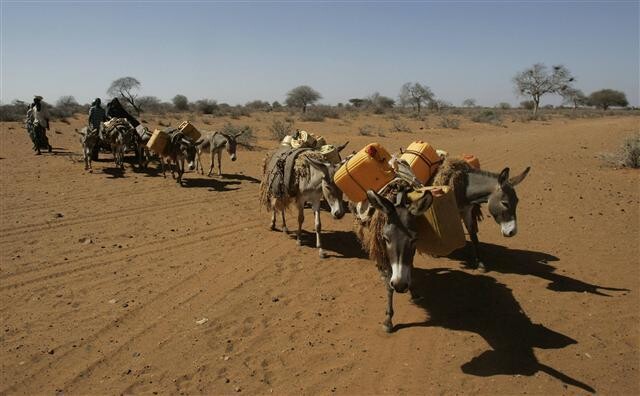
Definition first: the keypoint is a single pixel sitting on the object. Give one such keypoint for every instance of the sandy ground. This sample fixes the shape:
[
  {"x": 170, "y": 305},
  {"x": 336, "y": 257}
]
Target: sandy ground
[{"x": 123, "y": 282}]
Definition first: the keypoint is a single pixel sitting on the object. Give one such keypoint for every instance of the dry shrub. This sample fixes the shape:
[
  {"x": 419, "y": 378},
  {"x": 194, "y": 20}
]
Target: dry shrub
[
  {"x": 281, "y": 128},
  {"x": 628, "y": 155},
  {"x": 488, "y": 116},
  {"x": 399, "y": 126},
  {"x": 449, "y": 123},
  {"x": 366, "y": 130}
]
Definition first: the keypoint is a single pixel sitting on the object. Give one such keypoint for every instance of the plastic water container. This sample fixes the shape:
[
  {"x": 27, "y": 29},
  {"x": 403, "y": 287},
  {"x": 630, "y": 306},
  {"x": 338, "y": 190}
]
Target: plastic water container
[
  {"x": 440, "y": 229},
  {"x": 471, "y": 160},
  {"x": 189, "y": 130},
  {"x": 368, "y": 169},
  {"x": 423, "y": 160},
  {"x": 158, "y": 141}
]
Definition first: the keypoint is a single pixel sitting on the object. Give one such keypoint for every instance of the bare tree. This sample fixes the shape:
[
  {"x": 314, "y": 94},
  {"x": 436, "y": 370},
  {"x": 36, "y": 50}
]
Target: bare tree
[
  {"x": 415, "y": 94},
  {"x": 470, "y": 102},
  {"x": 124, "y": 88},
  {"x": 537, "y": 81},
  {"x": 302, "y": 96},
  {"x": 574, "y": 97}
]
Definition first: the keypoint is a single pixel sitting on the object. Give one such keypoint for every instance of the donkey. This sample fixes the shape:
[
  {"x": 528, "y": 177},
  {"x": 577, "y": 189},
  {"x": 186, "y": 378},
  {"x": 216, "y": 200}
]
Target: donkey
[
  {"x": 214, "y": 143},
  {"x": 89, "y": 139},
  {"x": 178, "y": 149},
  {"x": 116, "y": 138},
  {"x": 142, "y": 151},
  {"x": 389, "y": 236},
  {"x": 475, "y": 187},
  {"x": 312, "y": 180}
]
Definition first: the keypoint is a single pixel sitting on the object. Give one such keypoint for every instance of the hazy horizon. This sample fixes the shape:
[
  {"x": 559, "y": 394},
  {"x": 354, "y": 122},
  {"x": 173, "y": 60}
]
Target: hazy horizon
[{"x": 235, "y": 52}]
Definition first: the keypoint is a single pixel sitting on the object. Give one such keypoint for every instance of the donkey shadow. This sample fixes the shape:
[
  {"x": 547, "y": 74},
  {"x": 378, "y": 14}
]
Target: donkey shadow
[
  {"x": 241, "y": 177},
  {"x": 525, "y": 262},
  {"x": 114, "y": 172},
  {"x": 210, "y": 184},
  {"x": 479, "y": 304}
]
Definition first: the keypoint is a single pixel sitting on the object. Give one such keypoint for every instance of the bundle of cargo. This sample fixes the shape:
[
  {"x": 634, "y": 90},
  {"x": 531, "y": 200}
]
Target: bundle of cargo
[
  {"x": 368, "y": 169},
  {"x": 158, "y": 141},
  {"x": 189, "y": 130},
  {"x": 440, "y": 229},
  {"x": 330, "y": 153},
  {"x": 423, "y": 160},
  {"x": 471, "y": 160}
]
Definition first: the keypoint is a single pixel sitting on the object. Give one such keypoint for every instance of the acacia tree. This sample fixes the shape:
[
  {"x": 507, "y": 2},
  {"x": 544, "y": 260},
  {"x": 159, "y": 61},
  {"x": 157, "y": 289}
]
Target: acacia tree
[
  {"x": 608, "y": 97},
  {"x": 302, "y": 96},
  {"x": 415, "y": 94},
  {"x": 537, "y": 81},
  {"x": 574, "y": 97},
  {"x": 124, "y": 88},
  {"x": 180, "y": 102}
]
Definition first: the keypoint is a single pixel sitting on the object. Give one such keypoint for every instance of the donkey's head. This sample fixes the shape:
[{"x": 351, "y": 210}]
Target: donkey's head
[
  {"x": 187, "y": 147},
  {"x": 502, "y": 202},
  {"x": 332, "y": 194},
  {"x": 398, "y": 235},
  {"x": 231, "y": 144}
]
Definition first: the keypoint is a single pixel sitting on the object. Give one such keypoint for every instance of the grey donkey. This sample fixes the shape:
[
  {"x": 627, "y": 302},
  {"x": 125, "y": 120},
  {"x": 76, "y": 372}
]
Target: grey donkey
[
  {"x": 214, "y": 143},
  {"x": 389, "y": 236},
  {"x": 88, "y": 138},
  {"x": 475, "y": 187}
]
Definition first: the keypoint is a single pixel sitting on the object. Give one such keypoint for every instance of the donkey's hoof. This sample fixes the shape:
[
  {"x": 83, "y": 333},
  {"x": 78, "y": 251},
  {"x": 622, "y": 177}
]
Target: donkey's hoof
[
  {"x": 285, "y": 230},
  {"x": 480, "y": 267},
  {"x": 322, "y": 254},
  {"x": 298, "y": 242},
  {"x": 388, "y": 326},
  {"x": 273, "y": 227}
]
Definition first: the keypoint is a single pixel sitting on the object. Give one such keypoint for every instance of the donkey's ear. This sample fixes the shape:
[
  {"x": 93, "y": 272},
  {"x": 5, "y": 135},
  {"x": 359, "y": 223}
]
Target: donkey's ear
[
  {"x": 417, "y": 208},
  {"x": 381, "y": 203},
  {"x": 340, "y": 148},
  {"x": 504, "y": 176},
  {"x": 321, "y": 166},
  {"x": 514, "y": 181}
]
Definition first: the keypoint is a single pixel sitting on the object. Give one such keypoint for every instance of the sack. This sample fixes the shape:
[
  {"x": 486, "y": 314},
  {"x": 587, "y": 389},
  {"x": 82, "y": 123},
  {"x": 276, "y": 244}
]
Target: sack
[{"x": 440, "y": 228}]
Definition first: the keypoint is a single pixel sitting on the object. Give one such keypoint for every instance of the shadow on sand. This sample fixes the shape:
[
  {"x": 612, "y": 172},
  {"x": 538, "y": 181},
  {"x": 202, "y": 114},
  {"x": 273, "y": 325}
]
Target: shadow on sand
[
  {"x": 524, "y": 262},
  {"x": 337, "y": 244},
  {"x": 478, "y": 303},
  {"x": 210, "y": 184},
  {"x": 240, "y": 177}
]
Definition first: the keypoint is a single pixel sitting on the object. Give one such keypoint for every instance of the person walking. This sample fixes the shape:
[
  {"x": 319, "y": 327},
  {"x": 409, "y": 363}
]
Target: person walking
[
  {"x": 37, "y": 124},
  {"x": 97, "y": 115}
]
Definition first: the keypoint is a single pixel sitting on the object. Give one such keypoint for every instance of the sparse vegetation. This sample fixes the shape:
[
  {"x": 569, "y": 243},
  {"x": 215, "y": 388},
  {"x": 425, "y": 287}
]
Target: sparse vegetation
[
  {"x": 281, "y": 128},
  {"x": 124, "y": 88},
  {"x": 180, "y": 102},
  {"x": 488, "y": 116},
  {"x": 366, "y": 130},
  {"x": 399, "y": 126},
  {"x": 319, "y": 113},
  {"x": 536, "y": 81},
  {"x": 449, "y": 123}
]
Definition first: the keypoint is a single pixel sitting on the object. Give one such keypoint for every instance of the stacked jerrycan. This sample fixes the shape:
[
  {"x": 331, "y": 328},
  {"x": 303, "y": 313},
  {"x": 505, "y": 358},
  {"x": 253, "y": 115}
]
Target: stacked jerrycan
[{"x": 368, "y": 169}]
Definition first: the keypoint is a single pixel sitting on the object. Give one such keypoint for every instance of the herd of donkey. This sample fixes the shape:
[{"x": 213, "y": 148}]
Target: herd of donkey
[{"x": 419, "y": 197}]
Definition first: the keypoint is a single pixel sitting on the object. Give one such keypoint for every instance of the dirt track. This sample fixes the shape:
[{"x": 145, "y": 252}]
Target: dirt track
[{"x": 104, "y": 276}]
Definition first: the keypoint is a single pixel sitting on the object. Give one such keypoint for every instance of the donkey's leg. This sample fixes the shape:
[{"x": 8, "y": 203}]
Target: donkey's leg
[
  {"x": 219, "y": 162},
  {"x": 180, "y": 165},
  {"x": 284, "y": 222},
  {"x": 213, "y": 154},
  {"x": 318, "y": 226},
  {"x": 164, "y": 173},
  {"x": 471, "y": 224},
  {"x": 273, "y": 219},
  {"x": 388, "y": 324},
  {"x": 300, "y": 221}
]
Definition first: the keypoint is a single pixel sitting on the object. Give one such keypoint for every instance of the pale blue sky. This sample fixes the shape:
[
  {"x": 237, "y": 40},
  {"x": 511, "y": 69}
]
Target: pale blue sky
[{"x": 239, "y": 51}]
